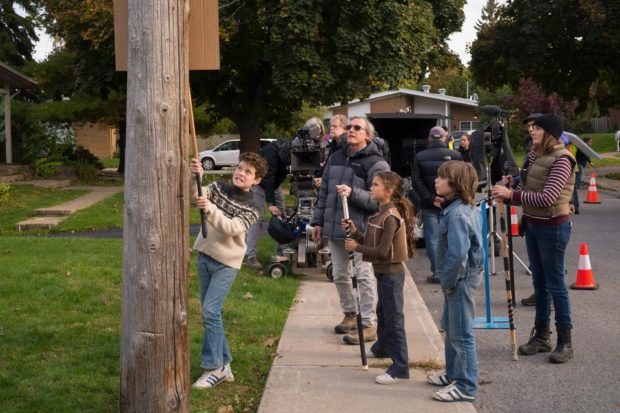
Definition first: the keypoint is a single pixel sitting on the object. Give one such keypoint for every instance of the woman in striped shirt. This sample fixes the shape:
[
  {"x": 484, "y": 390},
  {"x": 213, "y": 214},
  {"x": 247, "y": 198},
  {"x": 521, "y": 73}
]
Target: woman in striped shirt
[{"x": 545, "y": 191}]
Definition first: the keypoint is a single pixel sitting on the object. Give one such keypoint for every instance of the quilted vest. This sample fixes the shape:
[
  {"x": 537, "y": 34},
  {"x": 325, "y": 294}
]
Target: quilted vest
[
  {"x": 374, "y": 231},
  {"x": 537, "y": 174}
]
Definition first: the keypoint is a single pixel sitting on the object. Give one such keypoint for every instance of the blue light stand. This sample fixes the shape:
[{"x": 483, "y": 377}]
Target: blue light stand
[{"x": 488, "y": 321}]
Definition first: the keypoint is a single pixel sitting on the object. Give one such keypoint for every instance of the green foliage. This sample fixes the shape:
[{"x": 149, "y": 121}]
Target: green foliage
[
  {"x": 5, "y": 192},
  {"x": 570, "y": 47},
  {"x": 45, "y": 168},
  {"x": 17, "y": 32},
  {"x": 278, "y": 54}
]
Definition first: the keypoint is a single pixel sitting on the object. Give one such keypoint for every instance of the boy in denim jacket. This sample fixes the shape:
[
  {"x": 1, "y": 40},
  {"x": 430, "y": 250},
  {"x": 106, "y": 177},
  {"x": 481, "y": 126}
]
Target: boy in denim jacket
[{"x": 460, "y": 260}]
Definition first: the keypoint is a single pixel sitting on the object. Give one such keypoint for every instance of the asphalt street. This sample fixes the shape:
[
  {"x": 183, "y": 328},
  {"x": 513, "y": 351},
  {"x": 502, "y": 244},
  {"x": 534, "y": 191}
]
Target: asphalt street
[{"x": 588, "y": 383}]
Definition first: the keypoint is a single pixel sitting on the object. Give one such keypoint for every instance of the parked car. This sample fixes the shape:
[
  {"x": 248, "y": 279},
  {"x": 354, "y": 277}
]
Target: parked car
[{"x": 224, "y": 154}]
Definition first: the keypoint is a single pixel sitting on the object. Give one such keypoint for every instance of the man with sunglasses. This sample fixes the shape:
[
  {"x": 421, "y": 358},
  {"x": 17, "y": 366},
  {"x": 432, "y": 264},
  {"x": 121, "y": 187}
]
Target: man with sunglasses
[
  {"x": 349, "y": 171},
  {"x": 423, "y": 174}
]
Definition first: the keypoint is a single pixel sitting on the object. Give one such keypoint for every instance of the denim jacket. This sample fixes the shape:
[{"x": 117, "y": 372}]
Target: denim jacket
[{"x": 460, "y": 251}]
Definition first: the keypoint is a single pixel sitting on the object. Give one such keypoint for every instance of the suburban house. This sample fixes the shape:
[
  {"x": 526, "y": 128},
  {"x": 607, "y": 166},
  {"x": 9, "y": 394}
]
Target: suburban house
[
  {"x": 11, "y": 81},
  {"x": 453, "y": 112}
]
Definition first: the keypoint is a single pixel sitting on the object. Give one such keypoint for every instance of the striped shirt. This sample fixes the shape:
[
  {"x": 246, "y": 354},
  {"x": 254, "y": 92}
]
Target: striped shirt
[{"x": 560, "y": 171}]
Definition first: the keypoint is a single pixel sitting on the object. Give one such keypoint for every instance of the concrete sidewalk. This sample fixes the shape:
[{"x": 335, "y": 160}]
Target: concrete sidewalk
[{"x": 314, "y": 372}]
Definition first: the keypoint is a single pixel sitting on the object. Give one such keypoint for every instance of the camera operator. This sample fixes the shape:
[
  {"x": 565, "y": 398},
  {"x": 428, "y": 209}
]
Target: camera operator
[
  {"x": 423, "y": 174},
  {"x": 278, "y": 157},
  {"x": 545, "y": 192},
  {"x": 350, "y": 171}
]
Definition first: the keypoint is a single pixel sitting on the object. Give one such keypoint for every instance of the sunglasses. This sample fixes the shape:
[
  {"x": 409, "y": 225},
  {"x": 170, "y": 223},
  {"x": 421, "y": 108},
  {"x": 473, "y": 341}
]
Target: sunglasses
[{"x": 356, "y": 128}]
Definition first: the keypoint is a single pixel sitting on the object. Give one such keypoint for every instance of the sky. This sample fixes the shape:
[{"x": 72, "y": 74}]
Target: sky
[{"x": 457, "y": 42}]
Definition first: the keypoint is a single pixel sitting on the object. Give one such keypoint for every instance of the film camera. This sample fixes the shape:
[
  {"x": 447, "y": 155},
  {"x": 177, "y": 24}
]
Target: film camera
[
  {"x": 301, "y": 252},
  {"x": 490, "y": 147}
]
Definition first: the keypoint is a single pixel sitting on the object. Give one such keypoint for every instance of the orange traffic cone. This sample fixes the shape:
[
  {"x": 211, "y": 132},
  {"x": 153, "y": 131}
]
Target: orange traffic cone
[
  {"x": 585, "y": 278},
  {"x": 592, "y": 192},
  {"x": 514, "y": 221}
]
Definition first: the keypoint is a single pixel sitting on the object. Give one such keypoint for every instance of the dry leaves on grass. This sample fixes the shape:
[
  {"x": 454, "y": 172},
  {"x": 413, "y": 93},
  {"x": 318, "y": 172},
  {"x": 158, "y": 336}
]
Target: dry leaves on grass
[
  {"x": 225, "y": 409},
  {"x": 248, "y": 296},
  {"x": 270, "y": 341}
]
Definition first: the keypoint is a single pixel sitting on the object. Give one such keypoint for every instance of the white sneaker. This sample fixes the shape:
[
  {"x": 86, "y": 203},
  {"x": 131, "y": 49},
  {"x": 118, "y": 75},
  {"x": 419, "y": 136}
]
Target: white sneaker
[
  {"x": 386, "y": 378},
  {"x": 211, "y": 378}
]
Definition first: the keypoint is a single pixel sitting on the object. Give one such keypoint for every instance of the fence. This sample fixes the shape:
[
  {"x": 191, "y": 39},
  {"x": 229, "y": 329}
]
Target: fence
[{"x": 601, "y": 124}]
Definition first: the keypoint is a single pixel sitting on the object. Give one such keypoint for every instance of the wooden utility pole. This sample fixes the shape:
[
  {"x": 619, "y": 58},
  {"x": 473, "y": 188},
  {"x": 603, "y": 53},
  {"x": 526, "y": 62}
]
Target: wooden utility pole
[{"x": 154, "y": 339}]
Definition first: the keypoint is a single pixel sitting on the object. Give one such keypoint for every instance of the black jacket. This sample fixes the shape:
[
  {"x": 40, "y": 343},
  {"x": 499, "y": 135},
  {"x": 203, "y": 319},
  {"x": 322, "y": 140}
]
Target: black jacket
[
  {"x": 357, "y": 171},
  {"x": 278, "y": 160},
  {"x": 424, "y": 171}
]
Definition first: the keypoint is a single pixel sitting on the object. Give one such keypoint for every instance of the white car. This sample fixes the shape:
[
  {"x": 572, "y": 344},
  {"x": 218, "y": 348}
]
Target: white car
[{"x": 224, "y": 154}]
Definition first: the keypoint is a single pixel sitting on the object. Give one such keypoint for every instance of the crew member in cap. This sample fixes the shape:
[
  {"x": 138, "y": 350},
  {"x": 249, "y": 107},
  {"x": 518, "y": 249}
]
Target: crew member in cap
[
  {"x": 545, "y": 191},
  {"x": 423, "y": 174}
]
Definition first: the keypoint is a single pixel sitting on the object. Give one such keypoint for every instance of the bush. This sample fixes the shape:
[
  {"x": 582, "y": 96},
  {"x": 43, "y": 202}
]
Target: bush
[
  {"x": 46, "y": 168},
  {"x": 5, "y": 190},
  {"x": 85, "y": 171},
  {"x": 81, "y": 155}
]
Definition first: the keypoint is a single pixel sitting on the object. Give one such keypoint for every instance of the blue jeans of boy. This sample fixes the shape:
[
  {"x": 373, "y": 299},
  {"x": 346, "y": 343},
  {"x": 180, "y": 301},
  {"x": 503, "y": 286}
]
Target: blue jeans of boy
[
  {"x": 431, "y": 235},
  {"x": 546, "y": 247},
  {"x": 458, "y": 323},
  {"x": 391, "y": 337},
  {"x": 215, "y": 280}
]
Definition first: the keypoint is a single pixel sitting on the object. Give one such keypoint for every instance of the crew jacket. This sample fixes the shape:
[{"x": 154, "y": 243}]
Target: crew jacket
[
  {"x": 424, "y": 171},
  {"x": 356, "y": 171}
]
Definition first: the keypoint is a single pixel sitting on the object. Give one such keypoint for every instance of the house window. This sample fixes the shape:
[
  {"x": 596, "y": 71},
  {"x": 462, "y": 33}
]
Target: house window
[{"x": 467, "y": 125}]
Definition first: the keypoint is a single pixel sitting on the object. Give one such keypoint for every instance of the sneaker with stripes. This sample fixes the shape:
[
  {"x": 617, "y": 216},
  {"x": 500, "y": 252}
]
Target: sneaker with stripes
[
  {"x": 452, "y": 393},
  {"x": 211, "y": 378},
  {"x": 438, "y": 379}
]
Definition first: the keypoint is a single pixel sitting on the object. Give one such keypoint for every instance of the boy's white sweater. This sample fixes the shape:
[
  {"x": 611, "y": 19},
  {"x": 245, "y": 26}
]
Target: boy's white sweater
[{"x": 230, "y": 214}]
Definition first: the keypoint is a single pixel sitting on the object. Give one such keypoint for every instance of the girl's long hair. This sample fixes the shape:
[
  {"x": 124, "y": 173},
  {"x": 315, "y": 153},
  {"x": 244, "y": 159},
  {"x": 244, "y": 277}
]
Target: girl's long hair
[{"x": 392, "y": 181}]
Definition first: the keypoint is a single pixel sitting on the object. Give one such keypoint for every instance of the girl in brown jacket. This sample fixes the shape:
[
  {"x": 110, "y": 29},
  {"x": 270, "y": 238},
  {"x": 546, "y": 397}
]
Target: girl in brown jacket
[{"x": 388, "y": 242}]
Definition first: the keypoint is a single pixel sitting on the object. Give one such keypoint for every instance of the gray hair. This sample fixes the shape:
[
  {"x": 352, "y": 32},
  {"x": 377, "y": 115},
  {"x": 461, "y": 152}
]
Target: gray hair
[
  {"x": 370, "y": 128},
  {"x": 340, "y": 118},
  {"x": 316, "y": 121}
]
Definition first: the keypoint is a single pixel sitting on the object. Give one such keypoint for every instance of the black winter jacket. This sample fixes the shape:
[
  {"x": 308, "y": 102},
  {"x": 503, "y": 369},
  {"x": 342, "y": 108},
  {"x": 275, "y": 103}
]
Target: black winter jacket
[
  {"x": 278, "y": 160},
  {"x": 424, "y": 171},
  {"x": 357, "y": 171}
]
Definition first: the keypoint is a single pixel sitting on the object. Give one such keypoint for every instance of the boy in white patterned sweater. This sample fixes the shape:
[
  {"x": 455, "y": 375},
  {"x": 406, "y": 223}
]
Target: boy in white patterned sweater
[{"x": 229, "y": 211}]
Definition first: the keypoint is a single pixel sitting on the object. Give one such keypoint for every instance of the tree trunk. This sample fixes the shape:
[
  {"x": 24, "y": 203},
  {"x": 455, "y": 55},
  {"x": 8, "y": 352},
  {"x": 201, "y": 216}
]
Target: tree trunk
[
  {"x": 249, "y": 127},
  {"x": 154, "y": 339}
]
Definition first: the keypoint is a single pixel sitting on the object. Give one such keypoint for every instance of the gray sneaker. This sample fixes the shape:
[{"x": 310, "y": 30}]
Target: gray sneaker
[{"x": 253, "y": 262}]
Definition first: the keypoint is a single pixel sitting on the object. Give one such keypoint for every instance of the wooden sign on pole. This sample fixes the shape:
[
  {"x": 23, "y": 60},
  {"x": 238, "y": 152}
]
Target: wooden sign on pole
[{"x": 204, "y": 50}]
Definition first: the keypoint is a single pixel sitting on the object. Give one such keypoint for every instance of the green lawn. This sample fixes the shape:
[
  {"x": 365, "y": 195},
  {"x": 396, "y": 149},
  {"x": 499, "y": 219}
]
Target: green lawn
[
  {"x": 60, "y": 327},
  {"x": 60, "y": 315},
  {"x": 24, "y": 199}
]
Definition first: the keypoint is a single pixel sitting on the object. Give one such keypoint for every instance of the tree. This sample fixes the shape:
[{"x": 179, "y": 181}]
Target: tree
[
  {"x": 154, "y": 336},
  {"x": 17, "y": 34},
  {"x": 566, "y": 46},
  {"x": 531, "y": 98},
  {"x": 276, "y": 54}
]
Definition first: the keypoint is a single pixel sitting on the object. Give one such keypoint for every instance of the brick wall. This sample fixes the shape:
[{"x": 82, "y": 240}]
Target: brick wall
[
  {"x": 460, "y": 113},
  {"x": 98, "y": 138},
  {"x": 391, "y": 104}
]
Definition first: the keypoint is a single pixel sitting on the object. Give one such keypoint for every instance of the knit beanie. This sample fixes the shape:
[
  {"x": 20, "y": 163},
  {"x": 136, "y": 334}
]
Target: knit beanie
[{"x": 552, "y": 124}]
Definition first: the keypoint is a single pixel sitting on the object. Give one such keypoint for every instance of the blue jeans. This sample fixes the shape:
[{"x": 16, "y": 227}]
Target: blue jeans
[
  {"x": 215, "y": 280},
  {"x": 579, "y": 174},
  {"x": 431, "y": 235},
  {"x": 458, "y": 323},
  {"x": 546, "y": 247},
  {"x": 391, "y": 337}
]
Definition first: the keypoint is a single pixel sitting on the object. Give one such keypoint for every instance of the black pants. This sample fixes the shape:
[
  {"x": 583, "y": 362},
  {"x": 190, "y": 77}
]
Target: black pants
[{"x": 391, "y": 338}]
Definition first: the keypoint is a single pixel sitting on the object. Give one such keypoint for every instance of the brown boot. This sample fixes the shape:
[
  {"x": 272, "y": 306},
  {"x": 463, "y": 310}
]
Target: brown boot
[
  {"x": 347, "y": 324},
  {"x": 370, "y": 334}
]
